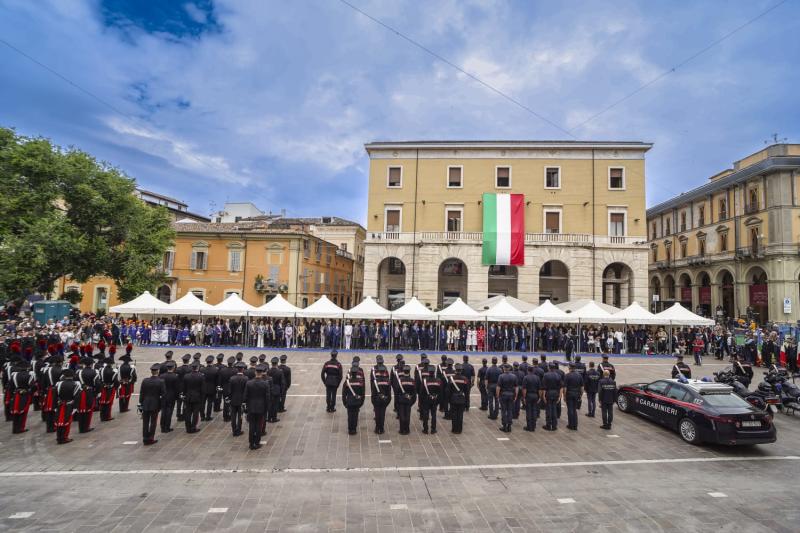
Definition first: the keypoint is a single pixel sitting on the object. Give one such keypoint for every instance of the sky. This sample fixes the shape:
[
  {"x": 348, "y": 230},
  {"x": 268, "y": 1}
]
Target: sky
[{"x": 272, "y": 101}]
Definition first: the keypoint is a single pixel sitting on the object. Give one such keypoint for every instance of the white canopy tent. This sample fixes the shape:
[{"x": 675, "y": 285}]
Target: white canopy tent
[
  {"x": 503, "y": 311},
  {"x": 636, "y": 314},
  {"x": 547, "y": 312},
  {"x": 458, "y": 310},
  {"x": 233, "y": 305},
  {"x": 188, "y": 304},
  {"x": 322, "y": 308},
  {"x": 520, "y": 305},
  {"x": 677, "y": 315},
  {"x": 413, "y": 310},
  {"x": 593, "y": 313},
  {"x": 277, "y": 307},
  {"x": 145, "y": 303},
  {"x": 573, "y": 305},
  {"x": 368, "y": 309}
]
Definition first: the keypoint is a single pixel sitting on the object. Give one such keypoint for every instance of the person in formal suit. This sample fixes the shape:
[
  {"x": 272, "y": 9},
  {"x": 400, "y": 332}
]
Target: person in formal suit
[
  {"x": 193, "y": 397},
  {"x": 257, "y": 396},
  {"x": 171, "y": 384},
  {"x": 151, "y": 396},
  {"x": 236, "y": 388},
  {"x": 276, "y": 376}
]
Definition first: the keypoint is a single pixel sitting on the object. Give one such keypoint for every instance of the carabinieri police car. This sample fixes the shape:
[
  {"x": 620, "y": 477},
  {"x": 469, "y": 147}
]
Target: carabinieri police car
[{"x": 699, "y": 411}]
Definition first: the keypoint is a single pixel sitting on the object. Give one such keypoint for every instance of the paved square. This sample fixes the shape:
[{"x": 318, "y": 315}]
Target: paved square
[{"x": 311, "y": 476}]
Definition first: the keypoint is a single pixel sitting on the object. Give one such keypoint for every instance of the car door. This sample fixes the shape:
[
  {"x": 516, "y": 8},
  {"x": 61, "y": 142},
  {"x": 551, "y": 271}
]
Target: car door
[
  {"x": 674, "y": 411},
  {"x": 653, "y": 400}
]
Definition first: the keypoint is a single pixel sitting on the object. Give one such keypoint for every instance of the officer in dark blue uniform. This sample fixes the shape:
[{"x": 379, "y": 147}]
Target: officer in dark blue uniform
[
  {"x": 608, "y": 395},
  {"x": 530, "y": 391},
  {"x": 551, "y": 388},
  {"x": 492, "y": 375},
  {"x": 468, "y": 371},
  {"x": 590, "y": 384},
  {"x": 506, "y": 392},
  {"x": 429, "y": 390},
  {"x": 517, "y": 371},
  {"x": 482, "y": 385},
  {"x": 331, "y": 376},
  {"x": 573, "y": 384}
]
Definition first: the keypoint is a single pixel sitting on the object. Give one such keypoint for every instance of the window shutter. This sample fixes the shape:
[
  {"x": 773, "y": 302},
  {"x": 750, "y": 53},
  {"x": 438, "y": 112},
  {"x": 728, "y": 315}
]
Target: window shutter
[
  {"x": 193, "y": 262},
  {"x": 170, "y": 260}
]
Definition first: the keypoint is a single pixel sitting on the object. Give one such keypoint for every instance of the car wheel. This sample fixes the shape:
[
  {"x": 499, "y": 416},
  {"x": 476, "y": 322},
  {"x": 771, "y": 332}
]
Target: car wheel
[
  {"x": 624, "y": 403},
  {"x": 688, "y": 431}
]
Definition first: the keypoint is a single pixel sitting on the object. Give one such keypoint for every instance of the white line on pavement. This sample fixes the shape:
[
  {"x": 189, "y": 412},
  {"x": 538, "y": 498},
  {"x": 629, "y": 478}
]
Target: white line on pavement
[
  {"x": 218, "y": 510},
  {"x": 503, "y": 438},
  {"x": 24, "y": 514},
  {"x": 717, "y": 494},
  {"x": 398, "y": 506},
  {"x": 626, "y": 462},
  {"x": 566, "y": 500},
  {"x": 129, "y": 442}
]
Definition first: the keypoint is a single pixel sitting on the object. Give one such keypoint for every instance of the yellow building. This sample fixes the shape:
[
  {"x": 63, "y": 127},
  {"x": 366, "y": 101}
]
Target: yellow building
[
  {"x": 732, "y": 243},
  {"x": 584, "y": 220},
  {"x": 255, "y": 259}
]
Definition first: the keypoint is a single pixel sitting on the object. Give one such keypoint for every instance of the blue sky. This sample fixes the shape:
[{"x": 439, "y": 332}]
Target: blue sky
[{"x": 272, "y": 101}]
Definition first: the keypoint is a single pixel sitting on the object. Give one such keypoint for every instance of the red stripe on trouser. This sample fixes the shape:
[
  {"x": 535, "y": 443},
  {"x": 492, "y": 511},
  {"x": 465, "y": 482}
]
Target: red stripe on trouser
[
  {"x": 48, "y": 402},
  {"x": 517, "y": 256},
  {"x": 7, "y": 397},
  {"x": 15, "y": 407},
  {"x": 125, "y": 391}
]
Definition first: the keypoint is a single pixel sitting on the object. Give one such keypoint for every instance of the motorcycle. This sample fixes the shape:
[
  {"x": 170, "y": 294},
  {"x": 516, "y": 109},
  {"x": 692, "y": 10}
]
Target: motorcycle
[
  {"x": 762, "y": 398},
  {"x": 787, "y": 392}
]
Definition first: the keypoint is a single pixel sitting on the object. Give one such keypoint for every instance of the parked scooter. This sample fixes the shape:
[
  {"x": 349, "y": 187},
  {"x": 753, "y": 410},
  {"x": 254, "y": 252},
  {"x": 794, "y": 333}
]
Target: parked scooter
[{"x": 786, "y": 390}]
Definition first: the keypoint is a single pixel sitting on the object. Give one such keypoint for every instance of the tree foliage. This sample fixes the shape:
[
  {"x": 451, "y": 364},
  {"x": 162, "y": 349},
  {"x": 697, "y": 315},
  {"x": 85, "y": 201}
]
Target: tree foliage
[{"x": 64, "y": 213}]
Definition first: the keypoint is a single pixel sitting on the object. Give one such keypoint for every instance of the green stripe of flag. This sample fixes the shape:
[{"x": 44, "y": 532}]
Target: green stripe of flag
[{"x": 489, "y": 228}]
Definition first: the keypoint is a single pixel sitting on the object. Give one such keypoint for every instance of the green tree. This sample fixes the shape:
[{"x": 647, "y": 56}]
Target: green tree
[{"x": 64, "y": 213}]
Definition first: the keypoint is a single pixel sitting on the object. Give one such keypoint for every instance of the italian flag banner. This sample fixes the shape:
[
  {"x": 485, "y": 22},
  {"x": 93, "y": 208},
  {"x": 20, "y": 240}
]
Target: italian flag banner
[{"x": 503, "y": 229}]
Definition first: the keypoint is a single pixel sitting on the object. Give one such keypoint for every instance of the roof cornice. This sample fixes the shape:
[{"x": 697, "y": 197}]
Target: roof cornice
[{"x": 767, "y": 165}]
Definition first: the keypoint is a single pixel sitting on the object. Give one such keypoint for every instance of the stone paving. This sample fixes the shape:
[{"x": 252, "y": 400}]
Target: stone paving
[{"x": 311, "y": 476}]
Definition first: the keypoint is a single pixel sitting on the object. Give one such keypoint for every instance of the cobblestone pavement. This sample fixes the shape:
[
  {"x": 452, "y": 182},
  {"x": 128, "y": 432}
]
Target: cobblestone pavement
[{"x": 311, "y": 476}]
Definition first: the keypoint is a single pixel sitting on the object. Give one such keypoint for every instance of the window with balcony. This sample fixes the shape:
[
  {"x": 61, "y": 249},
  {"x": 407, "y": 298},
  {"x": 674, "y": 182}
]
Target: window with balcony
[
  {"x": 653, "y": 237},
  {"x": 723, "y": 209},
  {"x": 616, "y": 178},
  {"x": 655, "y": 254},
  {"x": 668, "y": 230},
  {"x": 616, "y": 224},
  {"x": 552, "y": 221},
  {"x": 668, "y": 253},
  {"x": 552, "y": 178},
  {"x": 453, "y": 219},
  {"x": 394, "y": 178},
  {"x": 502, "y": 179},
  {"x": 684, "y": 251},
  {"x": 701, "y": 247},
  {"x": 455, "y": 177},
  {"x": 723, "y": 242},
  {"x": 393, "y": 217},
  {"x": 683, "y": 221},
  {"x": 754, "y": 240},
  {"x": 701, "y": 216}
]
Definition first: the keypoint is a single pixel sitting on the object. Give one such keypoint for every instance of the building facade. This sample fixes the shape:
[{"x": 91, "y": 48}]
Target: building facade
[
  {"x": 253, "y": 259},
  {"x": 178, "y": 210},
  {"x": 730, "y": 246},
  {"x": 585, "y": 228}
]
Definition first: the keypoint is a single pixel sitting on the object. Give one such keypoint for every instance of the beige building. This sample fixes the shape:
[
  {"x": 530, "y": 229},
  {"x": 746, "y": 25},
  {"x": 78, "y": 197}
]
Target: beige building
[
  {"x": 585, "y": 227},
  {"x": 732, "y": 243}
]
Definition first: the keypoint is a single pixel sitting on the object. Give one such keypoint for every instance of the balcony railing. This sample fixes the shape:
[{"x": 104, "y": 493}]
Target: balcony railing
[
  {"x": 344, "y": 253},
  {"x": 476, "y": 237}
]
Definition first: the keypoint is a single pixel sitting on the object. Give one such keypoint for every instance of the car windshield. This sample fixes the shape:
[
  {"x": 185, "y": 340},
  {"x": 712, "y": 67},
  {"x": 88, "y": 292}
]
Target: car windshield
[{"x": 723, "y": 400}]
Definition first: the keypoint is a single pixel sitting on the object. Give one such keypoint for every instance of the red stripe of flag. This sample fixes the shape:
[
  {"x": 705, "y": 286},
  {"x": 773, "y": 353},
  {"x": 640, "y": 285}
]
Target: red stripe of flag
[{"x": 517, "y": 229}]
